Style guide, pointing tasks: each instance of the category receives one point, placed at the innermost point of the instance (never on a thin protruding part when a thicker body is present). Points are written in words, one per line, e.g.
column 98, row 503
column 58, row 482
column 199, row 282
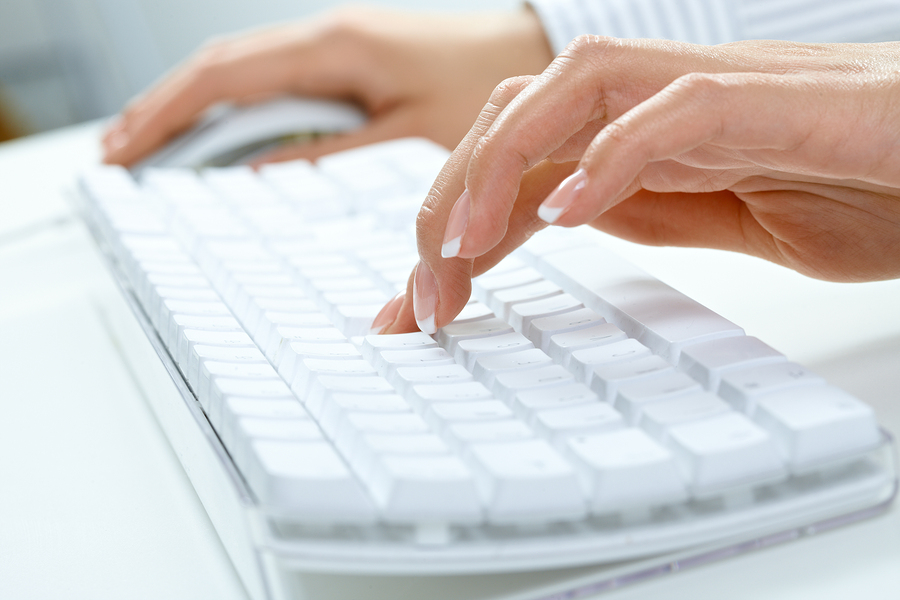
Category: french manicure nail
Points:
column 563, row 196
column 425, row 298
column 456, row 226
column 117, row 140
column 388, row 314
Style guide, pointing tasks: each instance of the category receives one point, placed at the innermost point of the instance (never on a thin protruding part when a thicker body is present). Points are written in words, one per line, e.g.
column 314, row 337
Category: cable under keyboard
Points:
column 577, row 410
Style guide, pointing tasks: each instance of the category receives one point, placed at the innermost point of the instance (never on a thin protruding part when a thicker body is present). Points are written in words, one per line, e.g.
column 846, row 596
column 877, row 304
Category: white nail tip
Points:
column 451, row 248
column 548, row 214
column 427, row 324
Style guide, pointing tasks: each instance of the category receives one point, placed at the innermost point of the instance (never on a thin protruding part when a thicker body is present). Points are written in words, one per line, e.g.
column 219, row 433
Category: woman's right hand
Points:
column 414, row 74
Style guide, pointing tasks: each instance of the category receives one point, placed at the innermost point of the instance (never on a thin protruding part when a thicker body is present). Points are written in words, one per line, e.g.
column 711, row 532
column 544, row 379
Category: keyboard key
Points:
column 817, row 423
column 707, row 361
column 468, row 351
column 632, row 397
column 486, row 367
column 510, row 383
column 657, row 418
column 502, row 301
column 491, row 431
column 606, row 379
column 583, row 362
column 562, row 345
column 527, row 480
column 375, row 344
column 742, row 386
column 626, row 470
column 521, row 315
column 723, row 452
column 425, row 488
column 658, row 316
column 424, row 394
column 450, row 335
column 559, row 423
column 527, row 402
column 443, row 413
column 308, row 477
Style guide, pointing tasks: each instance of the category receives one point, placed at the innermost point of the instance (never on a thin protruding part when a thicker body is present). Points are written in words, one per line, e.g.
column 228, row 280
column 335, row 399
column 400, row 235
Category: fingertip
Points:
column 388, row 314
column 425, row 298
column 561, row 199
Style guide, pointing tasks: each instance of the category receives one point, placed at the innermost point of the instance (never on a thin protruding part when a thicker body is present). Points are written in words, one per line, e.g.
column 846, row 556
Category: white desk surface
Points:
column 95, row 504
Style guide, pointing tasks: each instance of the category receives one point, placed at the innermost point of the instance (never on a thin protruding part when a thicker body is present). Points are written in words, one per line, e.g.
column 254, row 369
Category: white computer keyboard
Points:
column 578, row 410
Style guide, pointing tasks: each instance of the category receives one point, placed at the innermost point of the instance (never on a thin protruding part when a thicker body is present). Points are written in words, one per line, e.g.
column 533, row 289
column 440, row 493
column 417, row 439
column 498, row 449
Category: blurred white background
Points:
column 66, row 61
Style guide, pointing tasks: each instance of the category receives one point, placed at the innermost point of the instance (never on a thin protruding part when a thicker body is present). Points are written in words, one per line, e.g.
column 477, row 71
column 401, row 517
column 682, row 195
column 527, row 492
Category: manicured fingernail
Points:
column 116, row 140
column 563, row 196
column 456, row 226
column 388, row 314
column 425, row 298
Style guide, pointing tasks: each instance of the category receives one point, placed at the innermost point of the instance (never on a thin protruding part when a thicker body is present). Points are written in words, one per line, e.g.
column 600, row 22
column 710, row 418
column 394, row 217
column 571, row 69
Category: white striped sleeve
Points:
column 718, row 21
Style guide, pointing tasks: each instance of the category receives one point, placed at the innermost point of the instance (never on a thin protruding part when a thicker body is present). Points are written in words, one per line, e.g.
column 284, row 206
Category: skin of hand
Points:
column 414, row 74
column 785, row 151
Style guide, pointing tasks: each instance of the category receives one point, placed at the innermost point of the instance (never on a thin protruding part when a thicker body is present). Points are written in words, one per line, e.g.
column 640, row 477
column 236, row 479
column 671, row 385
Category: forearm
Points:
column 720, row 21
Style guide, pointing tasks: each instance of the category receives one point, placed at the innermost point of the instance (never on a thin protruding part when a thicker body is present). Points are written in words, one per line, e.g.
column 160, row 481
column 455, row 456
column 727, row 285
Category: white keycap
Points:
column 490, row 431
column 527, row 402
column 740, row 387
column 724, row 452
column 375, row 344
column 606, row 379
column 326, row 386
column 509, row 383
column 356, row 424
column 626, row 469
column 290, row 357
column 474, row 311
column 339, row 406
column 485, row 285
column 222, row 388
column 390, row 360
column 521, row 315
column 559, row 423
column 583, row 361
column 816, row 423
column 527, row 480
column 308, row 477
column 310, row 369
column 227, row 420
column 211, row 369
column 450, row 335
column 443, row 413
column 486, row 367
column 311, row 335
column 424, row 394
column 562, row 345
column 425, row 488
column 468, row 351
column 178, row 324
column 200, row 352
column 502, row 301
column 193, row 337
column 707, row 361
column 406, row 377
column 631, row 397
column 655, row 314
column 657, row 418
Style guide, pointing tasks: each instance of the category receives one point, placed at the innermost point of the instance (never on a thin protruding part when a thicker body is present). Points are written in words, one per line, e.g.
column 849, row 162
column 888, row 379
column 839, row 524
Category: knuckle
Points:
column 508, row 89
column 347, row 24
column 701, row 87
column 591, row 47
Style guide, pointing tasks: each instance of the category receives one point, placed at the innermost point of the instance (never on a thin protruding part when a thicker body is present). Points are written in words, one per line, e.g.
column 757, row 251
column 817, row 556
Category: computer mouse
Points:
column 230, row 134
